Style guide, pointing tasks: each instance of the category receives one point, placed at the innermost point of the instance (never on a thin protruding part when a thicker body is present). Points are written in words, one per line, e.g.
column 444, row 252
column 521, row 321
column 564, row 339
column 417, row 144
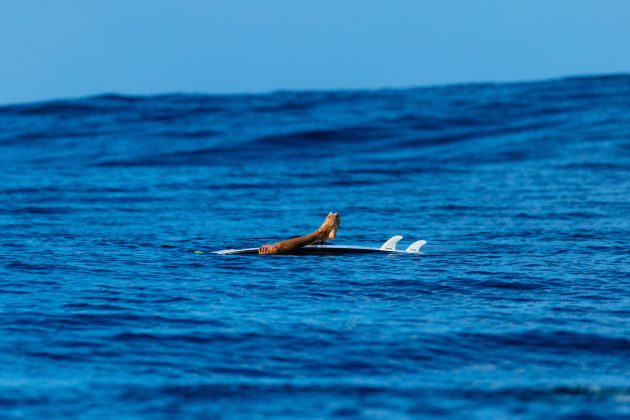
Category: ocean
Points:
column 113, row 306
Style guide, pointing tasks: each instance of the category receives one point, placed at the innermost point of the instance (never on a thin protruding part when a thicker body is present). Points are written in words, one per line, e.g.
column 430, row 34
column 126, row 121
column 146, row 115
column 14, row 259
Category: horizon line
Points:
column 264, row 92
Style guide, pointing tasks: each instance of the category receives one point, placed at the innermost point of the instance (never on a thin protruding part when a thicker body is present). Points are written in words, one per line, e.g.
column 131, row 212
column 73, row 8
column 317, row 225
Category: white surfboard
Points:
column 388, row 247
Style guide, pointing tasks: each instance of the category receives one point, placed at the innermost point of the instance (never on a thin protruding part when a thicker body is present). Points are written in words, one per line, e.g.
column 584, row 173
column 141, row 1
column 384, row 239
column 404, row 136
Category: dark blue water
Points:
column 520, row 305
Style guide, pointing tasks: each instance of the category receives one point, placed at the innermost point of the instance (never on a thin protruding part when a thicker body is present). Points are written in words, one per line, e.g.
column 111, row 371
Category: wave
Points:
column 554, row 341
column 413, row 117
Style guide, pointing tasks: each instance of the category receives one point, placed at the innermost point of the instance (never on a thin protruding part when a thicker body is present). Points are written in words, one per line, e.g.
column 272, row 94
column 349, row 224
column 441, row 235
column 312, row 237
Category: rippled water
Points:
column 520, row 305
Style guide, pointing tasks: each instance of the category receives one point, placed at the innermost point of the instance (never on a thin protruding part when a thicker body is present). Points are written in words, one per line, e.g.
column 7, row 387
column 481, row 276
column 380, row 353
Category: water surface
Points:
column 520, row 305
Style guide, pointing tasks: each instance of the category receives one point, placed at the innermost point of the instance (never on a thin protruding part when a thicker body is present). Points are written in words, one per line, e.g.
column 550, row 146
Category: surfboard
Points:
column 388, row 247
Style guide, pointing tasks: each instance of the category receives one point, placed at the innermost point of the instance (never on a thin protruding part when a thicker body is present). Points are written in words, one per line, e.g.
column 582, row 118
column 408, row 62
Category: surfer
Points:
column 328, row 230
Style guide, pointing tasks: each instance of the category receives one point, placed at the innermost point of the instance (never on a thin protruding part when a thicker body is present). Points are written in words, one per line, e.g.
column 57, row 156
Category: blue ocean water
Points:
column 519, row 306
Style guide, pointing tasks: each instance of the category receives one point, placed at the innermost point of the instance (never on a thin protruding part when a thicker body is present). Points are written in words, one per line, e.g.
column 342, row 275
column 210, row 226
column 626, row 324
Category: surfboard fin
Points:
column 390, row 244
column 415, row 247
